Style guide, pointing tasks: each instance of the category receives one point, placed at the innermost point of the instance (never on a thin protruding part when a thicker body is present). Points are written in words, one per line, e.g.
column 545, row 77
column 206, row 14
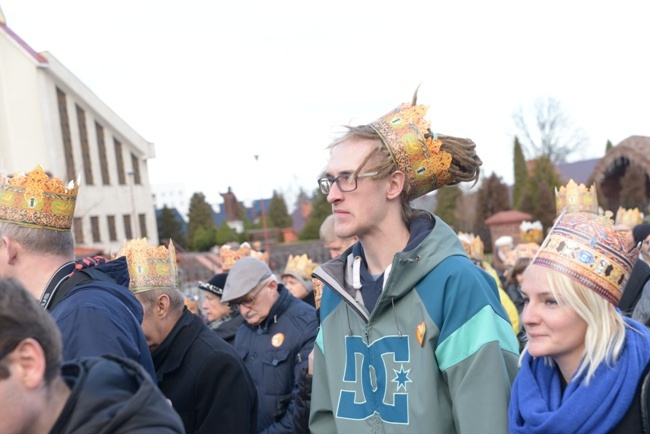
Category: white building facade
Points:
column 49, row 117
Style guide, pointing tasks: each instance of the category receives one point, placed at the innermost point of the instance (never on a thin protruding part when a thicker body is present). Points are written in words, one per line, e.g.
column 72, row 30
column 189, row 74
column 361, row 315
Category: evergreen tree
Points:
column 633, row 188
column 278, row 215
column 521, row 174
column 319, row 212
column 226, row 234
column 545, row 210
column 200, row 216
column 608, row 146
column 169, row 227
column 493, row 196
column 204, row 239
column 543, row 180
column 447, row 199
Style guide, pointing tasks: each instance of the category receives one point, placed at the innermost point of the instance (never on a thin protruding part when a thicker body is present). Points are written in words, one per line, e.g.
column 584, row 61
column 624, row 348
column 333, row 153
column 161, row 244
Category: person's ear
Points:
column 30, row 363
column 11, row 246
column 396, row 182
column 162, row 305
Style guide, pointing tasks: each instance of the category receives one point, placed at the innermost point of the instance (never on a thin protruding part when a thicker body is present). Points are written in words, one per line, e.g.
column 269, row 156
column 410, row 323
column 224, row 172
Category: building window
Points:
column 135, row 163
column 77, row 226
column 120, row 162
column 101, row 147
column 94, row 225
column 65, row 133
column 85, row 151
column 112, row 232
column 127, row 226
column 142, row 219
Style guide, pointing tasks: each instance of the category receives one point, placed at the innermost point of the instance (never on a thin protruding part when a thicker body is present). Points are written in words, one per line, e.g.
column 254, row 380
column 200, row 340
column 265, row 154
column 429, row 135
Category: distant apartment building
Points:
column 49, row 117
column 172, row 196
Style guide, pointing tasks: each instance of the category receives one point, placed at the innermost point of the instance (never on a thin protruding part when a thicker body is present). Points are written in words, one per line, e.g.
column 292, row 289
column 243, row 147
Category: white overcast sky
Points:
column 213, row 83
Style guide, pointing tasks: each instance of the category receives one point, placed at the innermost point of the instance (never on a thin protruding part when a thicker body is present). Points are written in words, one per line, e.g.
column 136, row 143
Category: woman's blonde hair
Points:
column 605, row 334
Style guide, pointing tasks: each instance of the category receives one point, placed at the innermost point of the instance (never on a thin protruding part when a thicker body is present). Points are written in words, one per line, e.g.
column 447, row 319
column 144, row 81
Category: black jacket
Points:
column 227, row 330
column 637, row 418
column 111, row 395
column 205, row 379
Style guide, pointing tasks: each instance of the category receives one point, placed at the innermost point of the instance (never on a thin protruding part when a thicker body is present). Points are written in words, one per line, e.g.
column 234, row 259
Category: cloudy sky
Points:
column 213, row 83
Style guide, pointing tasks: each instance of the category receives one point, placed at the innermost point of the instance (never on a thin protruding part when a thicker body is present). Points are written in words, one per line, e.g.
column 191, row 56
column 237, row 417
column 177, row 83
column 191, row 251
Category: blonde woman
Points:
column 584, row 365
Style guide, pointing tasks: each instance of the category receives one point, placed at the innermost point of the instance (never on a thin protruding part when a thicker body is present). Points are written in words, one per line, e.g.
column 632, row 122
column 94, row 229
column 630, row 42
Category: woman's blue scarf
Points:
column 537, row 404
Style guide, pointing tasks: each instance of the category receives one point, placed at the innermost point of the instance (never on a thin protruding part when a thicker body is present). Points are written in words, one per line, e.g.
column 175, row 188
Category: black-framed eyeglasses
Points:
column 248, row 301
column 346, row 182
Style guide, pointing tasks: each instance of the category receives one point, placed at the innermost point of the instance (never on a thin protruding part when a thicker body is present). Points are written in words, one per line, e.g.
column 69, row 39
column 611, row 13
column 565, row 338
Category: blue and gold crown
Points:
column 150, row 267
column 37, row 201
column 585, row 247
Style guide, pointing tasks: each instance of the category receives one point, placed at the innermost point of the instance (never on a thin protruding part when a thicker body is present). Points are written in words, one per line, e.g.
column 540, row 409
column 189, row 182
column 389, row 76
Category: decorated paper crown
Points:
column 472, row 244
column 628, row 217
column 150, row 267
column 531, row 232
column 576, row 198
column 230, row 255
column 586, row 248
column 300, row 266
column 37, row 201
column 525, row 251
column 415, row 150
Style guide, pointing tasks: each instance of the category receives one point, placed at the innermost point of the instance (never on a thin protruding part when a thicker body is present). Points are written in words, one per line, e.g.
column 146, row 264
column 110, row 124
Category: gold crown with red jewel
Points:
column 230, row 254
column 576, row 198
column 415, row 150
column 628, row 217
column 585, row 247
column 37, row 201
column 150, row 267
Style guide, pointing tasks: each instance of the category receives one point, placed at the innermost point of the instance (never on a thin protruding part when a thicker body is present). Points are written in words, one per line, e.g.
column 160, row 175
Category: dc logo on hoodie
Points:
column 382, row 379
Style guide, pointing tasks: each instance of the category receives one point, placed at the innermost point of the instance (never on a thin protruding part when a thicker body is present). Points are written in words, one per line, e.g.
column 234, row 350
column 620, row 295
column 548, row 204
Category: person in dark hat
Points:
column 641, row 235
column 222, row 318
column 635, row 301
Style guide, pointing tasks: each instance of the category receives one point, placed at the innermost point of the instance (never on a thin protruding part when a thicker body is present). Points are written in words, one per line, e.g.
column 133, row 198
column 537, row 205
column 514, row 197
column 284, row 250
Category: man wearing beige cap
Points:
column 275, row 340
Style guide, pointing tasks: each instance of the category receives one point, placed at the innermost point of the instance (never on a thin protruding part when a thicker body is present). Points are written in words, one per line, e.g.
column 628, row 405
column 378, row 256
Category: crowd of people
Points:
column 408, row 328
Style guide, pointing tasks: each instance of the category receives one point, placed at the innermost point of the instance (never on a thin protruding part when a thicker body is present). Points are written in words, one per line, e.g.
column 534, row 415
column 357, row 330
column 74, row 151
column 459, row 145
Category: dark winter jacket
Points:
column 227, row 330
column 102, row 316
column 111, row 395
column 275, row 353
column 205, row 379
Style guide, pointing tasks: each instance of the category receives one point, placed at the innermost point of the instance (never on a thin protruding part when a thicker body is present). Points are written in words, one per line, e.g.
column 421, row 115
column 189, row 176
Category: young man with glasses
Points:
column 86, row 395
column 274, row 341
column 413, row 336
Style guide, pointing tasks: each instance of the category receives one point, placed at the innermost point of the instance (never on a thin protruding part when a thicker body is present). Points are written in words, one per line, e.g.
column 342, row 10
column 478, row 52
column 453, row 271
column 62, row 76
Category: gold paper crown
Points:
column 300, row 266
column 37, row 201
column 586, row 248
column 230, row 255
column 531, row 232
column 576, row 198
column 628, row 217
column 526, row 251
column 472, row 244
column 415, row 150
column 150, row 267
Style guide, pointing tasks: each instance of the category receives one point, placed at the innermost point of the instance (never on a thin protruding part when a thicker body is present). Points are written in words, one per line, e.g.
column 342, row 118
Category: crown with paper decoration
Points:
column 35, row 200
column 300, row 265
column 525, row 251
column 415, row 150
column 472, row 244
column 230, row 254
column 531, row 232
column 585, row 247
column 150, row 267
column 628, row 217
column 576, row 198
